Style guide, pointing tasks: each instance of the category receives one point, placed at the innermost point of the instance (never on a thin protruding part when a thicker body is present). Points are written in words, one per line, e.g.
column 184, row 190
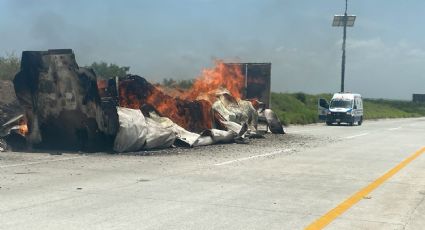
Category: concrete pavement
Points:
column 276, row 183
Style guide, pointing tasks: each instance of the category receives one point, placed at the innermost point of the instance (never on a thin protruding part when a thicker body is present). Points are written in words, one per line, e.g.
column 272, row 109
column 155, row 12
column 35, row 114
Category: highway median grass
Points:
column 301, row 108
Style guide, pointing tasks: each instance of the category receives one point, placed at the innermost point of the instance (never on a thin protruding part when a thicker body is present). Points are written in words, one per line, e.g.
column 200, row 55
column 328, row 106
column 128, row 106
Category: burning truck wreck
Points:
column 64, row 108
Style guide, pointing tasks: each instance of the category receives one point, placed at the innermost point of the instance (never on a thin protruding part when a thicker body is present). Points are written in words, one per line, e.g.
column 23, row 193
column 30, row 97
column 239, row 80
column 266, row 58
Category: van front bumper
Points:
column 339, row 117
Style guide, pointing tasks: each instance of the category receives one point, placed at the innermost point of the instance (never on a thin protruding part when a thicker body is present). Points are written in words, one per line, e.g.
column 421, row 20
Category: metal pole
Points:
column 246, row 81
column 343, row 49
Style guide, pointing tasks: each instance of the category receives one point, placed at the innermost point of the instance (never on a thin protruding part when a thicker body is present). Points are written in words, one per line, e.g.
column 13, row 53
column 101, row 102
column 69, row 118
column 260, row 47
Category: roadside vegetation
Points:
column 301, row 108
column 296, row 108
column 106, row 71
column 9, row 66
column 180, row 84
column 381, row 108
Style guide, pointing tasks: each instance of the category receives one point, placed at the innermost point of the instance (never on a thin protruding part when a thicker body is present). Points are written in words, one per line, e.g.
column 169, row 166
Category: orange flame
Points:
column 23, row 127
column 225, row 76
column 192, row 115
column 190, row 109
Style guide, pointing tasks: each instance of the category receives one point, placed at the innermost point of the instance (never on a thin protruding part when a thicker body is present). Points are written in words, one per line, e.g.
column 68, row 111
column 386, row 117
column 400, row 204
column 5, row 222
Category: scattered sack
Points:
column 132, row 131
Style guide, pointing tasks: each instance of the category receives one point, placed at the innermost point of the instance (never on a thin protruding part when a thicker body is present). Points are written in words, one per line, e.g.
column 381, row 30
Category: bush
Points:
column 301, row 97
column 179, row 84
column 107, row 71
column 9, row 66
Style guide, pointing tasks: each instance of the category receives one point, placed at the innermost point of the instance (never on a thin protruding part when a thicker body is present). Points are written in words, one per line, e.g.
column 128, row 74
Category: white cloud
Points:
column 376, row 48
column 283, row 49
column 374, row 44
column 416, row 53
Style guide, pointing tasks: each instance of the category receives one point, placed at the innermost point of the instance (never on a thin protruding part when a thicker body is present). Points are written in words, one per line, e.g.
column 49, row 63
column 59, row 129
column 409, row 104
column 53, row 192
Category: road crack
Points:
column 412, row 213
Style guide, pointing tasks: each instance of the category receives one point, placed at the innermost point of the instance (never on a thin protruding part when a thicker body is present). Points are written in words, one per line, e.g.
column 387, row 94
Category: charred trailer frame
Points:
column 257, row 81
column 62, row 103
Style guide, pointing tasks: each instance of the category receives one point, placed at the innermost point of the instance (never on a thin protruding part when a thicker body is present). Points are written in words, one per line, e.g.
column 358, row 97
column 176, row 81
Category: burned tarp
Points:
column 62, row 104
column 233, row 113
column 139, row 132
column 267, row 118
column 132, row 131
column 189, row 139
column 136, row 133
column 184, row 137
column 193, row 115
column 273, row 121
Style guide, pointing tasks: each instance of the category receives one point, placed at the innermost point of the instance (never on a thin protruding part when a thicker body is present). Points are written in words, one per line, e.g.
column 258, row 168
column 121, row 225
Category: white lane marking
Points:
column 40, row 162
column 392, row 129
column 300, row 131
column 252, row 157
column 358, row 135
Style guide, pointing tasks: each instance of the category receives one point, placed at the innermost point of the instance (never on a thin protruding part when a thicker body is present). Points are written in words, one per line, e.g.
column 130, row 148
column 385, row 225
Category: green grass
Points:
column 381, row 108
column 301, row 108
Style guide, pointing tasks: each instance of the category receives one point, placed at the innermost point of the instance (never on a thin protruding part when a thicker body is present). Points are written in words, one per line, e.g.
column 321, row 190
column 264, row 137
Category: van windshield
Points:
column 341, row 104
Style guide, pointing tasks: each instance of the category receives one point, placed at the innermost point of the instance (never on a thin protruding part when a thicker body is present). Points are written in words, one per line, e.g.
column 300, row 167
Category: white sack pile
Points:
column 137, row 132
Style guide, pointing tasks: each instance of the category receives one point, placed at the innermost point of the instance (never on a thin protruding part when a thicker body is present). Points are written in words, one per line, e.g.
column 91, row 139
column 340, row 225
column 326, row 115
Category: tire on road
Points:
column 360, row 121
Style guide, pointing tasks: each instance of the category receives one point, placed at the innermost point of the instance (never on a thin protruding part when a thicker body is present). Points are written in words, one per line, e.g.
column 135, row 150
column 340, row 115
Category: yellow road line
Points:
column 348, row 203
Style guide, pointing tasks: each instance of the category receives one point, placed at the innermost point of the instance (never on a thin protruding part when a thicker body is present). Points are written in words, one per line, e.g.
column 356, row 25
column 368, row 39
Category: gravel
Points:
column 271, row 142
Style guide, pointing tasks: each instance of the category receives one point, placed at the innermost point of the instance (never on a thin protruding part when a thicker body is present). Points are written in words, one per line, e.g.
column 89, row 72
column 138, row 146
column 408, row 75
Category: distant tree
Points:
column 168, row 82
column 106, row 71
column 181, row 84
column 9, row 66
column 185, row 84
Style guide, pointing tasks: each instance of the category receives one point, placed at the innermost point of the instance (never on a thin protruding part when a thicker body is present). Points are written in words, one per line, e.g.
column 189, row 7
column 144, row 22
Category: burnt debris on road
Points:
column 64, row 106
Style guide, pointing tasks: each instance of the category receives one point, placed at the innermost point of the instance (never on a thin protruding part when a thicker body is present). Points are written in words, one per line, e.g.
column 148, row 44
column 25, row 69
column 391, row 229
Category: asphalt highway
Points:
column 336, row 177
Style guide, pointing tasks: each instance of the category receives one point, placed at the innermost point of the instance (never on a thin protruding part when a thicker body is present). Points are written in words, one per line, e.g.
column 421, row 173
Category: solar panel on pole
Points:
column 343, row 21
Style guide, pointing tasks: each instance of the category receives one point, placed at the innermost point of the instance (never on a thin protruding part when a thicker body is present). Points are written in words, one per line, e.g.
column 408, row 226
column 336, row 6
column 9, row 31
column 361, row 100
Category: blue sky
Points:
column 162, row 39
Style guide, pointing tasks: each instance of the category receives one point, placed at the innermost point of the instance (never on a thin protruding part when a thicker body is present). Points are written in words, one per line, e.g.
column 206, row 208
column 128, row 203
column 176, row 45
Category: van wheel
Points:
column 360, row 121
column 328, row 123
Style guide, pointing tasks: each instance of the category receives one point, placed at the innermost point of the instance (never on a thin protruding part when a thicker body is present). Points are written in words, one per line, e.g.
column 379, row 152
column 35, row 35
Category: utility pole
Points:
column 344, row 37
column 344, row 21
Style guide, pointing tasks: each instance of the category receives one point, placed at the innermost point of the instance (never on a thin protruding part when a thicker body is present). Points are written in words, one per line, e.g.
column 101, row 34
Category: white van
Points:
column 343, row 108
